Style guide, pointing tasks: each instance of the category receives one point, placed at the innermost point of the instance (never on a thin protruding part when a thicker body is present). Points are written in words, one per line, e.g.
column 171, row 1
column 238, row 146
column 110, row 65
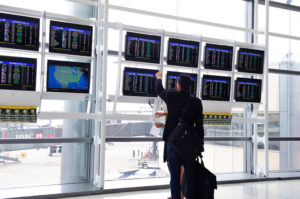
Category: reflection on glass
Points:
column 233, row 130
column 145, row 159
column 224, row 156
column 285, row 156
column 123, row 128
column 46, row 129
column 134, row 160
column 49, row 163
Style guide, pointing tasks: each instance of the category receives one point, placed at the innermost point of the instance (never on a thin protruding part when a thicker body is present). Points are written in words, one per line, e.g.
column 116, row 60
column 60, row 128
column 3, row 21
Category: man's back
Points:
column 176, row 100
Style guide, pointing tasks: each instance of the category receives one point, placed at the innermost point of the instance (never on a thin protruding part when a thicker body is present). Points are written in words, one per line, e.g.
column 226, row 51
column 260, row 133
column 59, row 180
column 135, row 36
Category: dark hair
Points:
column 185, row 82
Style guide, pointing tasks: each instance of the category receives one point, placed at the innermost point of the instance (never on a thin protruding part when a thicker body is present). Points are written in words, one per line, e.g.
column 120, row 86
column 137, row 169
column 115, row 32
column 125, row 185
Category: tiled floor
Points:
column 259, row 190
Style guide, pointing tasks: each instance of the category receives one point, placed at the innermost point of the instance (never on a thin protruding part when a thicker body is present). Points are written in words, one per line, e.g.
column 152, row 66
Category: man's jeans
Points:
column 174, row 163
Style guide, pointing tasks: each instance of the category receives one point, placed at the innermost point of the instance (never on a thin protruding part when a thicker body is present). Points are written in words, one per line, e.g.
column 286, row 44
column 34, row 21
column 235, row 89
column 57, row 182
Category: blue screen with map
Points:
column 68, row 76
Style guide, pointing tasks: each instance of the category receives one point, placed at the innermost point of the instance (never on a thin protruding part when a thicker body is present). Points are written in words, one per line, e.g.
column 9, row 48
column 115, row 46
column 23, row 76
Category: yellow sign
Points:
column 217, row 118
column 18, row 114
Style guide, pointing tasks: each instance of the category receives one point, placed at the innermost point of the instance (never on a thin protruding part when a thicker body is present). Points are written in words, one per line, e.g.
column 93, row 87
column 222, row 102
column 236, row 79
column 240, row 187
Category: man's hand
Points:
column 158, row 75
column 159, row 114
column 159, row 125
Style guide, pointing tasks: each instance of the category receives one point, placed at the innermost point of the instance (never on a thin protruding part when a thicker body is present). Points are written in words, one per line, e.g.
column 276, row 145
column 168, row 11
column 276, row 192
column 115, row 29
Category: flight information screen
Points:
column 172, row 78
column 19, row 32
column 247, row 90
column 139, row 82
column 216, row 88
column 218, row 57
column 68, row 76
column 17, row 73
column 183, row 53
column 251, row 61
column 141, row 47
column 70, row 38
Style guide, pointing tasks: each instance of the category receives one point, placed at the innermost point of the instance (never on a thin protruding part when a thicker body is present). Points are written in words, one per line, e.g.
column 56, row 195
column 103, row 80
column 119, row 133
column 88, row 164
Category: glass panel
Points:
column 132, row 160
column 284, row 54
column 210, row 31
column 284, row 109
column 260, row 158
column 146, row 128
column 279, row 20
column 291, row 2
column 234, row 130
column 46, row 129
column 231, row 12
column 166, row 6
column 43, row 164
column 202, row 10
column 122, row 128
column 224, row 156
column 261, row 17
column 284, row 155
column 56, row 6
column 142, row 20
column 68, row 106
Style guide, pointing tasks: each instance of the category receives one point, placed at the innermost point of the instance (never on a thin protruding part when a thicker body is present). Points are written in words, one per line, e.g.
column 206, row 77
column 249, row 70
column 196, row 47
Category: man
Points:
column 176, row 100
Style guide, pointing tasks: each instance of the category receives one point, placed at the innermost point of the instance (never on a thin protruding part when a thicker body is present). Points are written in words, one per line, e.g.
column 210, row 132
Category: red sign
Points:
column 39, row 135
column 4, row 134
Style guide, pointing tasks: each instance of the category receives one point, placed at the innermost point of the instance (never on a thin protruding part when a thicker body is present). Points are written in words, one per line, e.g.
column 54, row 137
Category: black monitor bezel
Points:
column 24, row 60
column 70, row 25
column 68, row 64
column 27, row 19
column 217, row 46
column 133, row 34
column 141, row 70
column 259, row 81
column 179, row 73
column 251, row 51
column 218, row 78
column 180, row 41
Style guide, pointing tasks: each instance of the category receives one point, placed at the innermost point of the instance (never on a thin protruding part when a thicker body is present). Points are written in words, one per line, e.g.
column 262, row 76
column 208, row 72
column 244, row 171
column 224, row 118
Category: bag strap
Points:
column 185, row 110
column 201, row 159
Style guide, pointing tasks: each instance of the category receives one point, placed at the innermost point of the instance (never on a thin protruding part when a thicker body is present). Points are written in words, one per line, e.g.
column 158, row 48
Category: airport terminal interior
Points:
column 78, row 100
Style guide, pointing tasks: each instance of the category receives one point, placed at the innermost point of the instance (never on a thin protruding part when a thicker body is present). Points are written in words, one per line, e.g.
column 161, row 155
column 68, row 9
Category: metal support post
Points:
column 255, row 21
column 119, row 68
column 43, row 53
column 266, row 81
column 96, row 180
column 104, row 92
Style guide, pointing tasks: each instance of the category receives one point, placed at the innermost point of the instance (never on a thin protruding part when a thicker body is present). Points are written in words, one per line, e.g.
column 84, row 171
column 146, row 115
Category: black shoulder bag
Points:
column 184, row 139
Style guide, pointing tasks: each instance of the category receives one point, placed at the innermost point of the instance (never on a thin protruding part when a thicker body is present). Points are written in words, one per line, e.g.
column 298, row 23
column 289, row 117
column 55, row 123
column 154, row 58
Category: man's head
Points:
column 184, row 82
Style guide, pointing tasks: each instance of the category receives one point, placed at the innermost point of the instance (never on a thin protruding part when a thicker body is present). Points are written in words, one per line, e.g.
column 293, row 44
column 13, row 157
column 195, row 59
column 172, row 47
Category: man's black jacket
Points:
column 175, row 103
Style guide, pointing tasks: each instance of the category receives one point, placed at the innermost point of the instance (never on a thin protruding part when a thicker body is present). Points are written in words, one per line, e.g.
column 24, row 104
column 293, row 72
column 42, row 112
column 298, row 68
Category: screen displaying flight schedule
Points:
column 65, row 76
column 172, row 78
column 139, row 82
column 251, row 61
column 183, row 53
column 218, row 57
column 17, row 73
column 216, row 88
column 247, row 90
column 70, row 38
column 141, row 47
column 19, row 32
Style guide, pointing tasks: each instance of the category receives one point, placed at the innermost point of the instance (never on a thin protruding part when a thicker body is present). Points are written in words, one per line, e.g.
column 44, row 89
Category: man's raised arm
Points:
column 159, row 89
